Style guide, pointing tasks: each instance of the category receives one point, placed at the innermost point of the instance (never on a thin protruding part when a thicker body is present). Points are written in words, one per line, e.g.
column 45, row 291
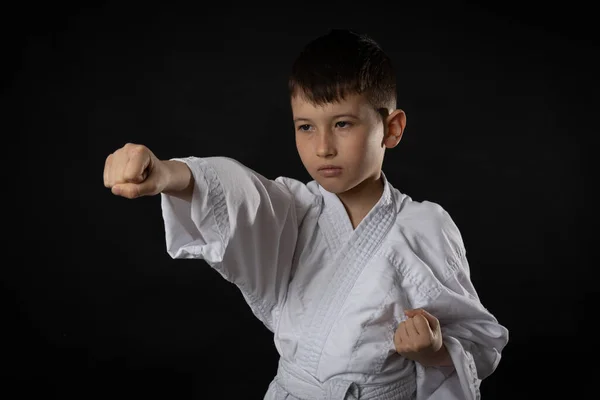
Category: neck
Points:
column 359, row 200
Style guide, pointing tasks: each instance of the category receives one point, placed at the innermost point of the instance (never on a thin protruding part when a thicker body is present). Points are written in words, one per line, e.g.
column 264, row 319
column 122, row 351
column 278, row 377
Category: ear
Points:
column 394, row 128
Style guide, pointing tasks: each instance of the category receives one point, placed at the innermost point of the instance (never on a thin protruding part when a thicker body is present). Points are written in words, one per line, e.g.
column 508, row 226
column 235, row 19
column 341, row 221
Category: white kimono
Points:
column 333, row 295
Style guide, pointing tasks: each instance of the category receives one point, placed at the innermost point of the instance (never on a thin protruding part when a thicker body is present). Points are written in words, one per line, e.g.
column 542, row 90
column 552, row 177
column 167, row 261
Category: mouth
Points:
column 329, row 167
column 330, row 171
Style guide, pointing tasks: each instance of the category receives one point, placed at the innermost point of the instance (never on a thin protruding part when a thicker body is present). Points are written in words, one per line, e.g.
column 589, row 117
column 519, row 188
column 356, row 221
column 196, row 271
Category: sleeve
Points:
column 242, row 224
column 473, row 336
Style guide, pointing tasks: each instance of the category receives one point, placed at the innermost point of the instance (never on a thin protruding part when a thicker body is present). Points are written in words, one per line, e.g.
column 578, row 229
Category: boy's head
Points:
column 343, row 97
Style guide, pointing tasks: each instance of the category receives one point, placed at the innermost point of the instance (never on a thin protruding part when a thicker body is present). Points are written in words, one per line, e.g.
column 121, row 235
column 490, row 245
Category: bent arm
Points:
column 472, row 336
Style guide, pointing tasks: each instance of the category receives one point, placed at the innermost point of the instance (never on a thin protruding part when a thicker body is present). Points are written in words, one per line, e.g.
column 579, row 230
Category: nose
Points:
column 326, row 145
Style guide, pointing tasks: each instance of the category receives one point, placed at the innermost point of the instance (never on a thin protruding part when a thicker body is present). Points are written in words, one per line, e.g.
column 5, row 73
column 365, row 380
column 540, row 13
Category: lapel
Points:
column 352, row 250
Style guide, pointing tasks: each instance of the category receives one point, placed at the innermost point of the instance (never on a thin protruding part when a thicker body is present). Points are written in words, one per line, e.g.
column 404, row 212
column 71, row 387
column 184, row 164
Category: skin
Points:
column 350, row 134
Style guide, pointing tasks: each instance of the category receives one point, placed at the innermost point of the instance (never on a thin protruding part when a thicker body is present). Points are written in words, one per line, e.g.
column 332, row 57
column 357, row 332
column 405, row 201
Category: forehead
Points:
column 352, row 104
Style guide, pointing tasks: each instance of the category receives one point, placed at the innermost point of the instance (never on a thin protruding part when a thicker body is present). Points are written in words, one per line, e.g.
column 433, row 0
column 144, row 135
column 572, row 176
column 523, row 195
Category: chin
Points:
column 333, row 185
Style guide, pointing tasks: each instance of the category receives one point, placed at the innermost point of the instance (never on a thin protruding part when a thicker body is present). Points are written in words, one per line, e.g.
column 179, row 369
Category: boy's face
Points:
column 348, row 135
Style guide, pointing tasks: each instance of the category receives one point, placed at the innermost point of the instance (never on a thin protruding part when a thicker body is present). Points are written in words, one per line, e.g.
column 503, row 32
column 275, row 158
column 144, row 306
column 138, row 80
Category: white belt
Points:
column 298, row 383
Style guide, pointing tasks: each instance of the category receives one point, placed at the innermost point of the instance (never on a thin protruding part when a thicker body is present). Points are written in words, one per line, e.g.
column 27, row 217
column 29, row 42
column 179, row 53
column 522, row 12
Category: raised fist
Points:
column 134, row 171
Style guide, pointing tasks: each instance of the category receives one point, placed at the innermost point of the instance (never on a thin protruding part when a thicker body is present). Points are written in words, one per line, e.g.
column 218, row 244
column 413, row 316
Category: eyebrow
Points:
column 333, row 117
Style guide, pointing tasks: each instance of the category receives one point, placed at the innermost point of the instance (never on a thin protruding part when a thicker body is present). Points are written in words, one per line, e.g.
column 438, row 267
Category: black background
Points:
column 501, row 105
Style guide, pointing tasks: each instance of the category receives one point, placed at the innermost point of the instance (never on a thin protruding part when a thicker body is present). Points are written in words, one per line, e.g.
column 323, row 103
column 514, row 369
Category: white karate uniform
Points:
column 333, row 295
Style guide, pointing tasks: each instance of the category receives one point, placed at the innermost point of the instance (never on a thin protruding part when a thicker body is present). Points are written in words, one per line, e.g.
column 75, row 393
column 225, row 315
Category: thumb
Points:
column 135, row 190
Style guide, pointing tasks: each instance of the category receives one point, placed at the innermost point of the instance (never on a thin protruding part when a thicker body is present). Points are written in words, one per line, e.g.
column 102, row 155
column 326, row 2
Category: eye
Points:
column 343, row 124
column 304, row 128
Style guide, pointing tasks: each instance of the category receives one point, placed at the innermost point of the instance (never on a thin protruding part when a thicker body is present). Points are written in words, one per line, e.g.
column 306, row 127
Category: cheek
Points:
column 375, row 143
column 302, row 149
column 364, row 146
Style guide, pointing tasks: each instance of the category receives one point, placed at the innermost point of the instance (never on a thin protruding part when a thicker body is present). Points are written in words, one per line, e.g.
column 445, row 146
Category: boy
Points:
column 367, row 292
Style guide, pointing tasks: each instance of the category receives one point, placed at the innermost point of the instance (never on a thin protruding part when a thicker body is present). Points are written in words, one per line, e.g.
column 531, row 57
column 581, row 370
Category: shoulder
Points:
column 424, row 217
column 428, row 230
column 421, row 217
column 305, row 196
column 304, row 193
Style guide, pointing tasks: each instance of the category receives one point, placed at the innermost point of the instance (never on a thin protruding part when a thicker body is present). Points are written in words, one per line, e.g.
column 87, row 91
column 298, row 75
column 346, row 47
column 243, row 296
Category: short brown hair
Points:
column 340, row 63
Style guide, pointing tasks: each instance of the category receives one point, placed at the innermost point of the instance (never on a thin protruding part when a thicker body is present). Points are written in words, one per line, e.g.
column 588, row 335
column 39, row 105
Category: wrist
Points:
column 442, row 358
column 179, row 178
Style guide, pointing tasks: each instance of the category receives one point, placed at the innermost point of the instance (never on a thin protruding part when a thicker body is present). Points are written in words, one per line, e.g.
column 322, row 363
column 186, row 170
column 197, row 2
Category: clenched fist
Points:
column 419, row 338
column 134, row 171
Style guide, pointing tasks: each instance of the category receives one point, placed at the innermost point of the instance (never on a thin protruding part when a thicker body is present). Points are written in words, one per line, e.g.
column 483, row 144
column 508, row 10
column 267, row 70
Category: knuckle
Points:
column 136, row 149
column 118, row 155
column 106, row 172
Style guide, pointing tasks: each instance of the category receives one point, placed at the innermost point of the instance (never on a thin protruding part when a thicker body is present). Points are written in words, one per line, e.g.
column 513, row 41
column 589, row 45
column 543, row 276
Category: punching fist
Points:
column 419, row 338
column 134, row 171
